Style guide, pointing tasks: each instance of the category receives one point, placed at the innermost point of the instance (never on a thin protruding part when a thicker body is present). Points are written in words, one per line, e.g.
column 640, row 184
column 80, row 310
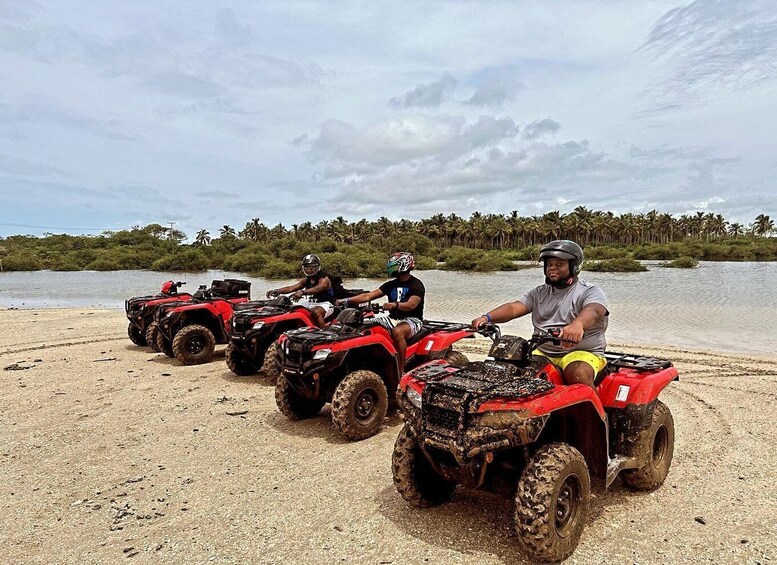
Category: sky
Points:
column 114, row 114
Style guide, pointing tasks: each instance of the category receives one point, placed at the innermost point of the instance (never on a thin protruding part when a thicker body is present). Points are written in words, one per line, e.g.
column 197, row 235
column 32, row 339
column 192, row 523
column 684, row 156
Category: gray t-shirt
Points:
column 556, row 307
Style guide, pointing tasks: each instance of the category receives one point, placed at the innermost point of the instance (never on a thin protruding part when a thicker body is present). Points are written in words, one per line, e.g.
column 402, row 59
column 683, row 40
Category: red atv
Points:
column 140, row 309
column 509, row 424
column 189, row 331
column 353, row 364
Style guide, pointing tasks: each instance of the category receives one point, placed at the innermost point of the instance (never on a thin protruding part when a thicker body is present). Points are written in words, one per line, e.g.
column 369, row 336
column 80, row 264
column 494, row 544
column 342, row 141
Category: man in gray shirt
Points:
column 566, row 302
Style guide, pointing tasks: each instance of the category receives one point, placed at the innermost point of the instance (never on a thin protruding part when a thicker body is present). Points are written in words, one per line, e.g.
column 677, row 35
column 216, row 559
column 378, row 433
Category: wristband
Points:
column 345, row 302
column 488, row 317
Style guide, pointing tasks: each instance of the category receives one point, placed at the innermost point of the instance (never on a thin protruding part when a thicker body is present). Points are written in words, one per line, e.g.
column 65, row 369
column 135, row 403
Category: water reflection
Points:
column 718, row 306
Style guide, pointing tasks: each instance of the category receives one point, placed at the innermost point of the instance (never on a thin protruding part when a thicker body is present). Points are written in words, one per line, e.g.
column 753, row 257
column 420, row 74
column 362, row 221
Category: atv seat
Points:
column 245, row 306
column 422, row 333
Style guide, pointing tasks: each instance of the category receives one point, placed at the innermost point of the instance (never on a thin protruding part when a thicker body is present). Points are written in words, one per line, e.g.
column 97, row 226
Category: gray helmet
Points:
column 564, row 249
column 311, row 264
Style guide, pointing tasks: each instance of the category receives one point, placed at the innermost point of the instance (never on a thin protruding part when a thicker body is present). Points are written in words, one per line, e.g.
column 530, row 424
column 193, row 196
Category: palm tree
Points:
column 203, row 238
column 763, row 225
column 227, row 232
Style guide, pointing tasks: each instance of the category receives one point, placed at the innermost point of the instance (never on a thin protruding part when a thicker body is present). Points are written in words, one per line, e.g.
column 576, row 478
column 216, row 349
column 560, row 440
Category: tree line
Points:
column 484, row 242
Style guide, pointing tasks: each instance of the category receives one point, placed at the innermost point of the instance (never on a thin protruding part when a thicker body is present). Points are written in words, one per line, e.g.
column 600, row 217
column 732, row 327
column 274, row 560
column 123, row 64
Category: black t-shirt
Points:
column 313, row 280
column 397, row 291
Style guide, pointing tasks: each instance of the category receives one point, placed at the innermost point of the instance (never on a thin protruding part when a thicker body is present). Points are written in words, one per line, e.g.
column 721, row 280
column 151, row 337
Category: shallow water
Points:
column 718, row 306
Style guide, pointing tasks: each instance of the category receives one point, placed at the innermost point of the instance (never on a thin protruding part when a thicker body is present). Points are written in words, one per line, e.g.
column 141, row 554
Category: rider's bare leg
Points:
column 318, row 313
column 400, row 334
column 579, row 372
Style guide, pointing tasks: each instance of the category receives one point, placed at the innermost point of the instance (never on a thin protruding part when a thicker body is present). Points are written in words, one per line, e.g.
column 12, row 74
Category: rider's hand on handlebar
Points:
column 271, row 293
column 389, row 306
column 297, row 295
column 480, row 321
column 571, row 335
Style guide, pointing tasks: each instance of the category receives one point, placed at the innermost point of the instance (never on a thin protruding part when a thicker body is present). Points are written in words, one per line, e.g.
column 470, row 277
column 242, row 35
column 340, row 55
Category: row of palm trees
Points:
column 499, row 231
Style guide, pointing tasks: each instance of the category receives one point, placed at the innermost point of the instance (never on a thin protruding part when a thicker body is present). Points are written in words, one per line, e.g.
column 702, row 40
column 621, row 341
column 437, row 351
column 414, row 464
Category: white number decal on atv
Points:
column 623, row 393
column 429, row 345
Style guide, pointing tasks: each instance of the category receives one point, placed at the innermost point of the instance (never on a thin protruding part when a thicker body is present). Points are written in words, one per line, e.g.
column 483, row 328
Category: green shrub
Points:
column 618, row 265
column 494, row 262
column 187, row 260
column 245, row 261
column 278, row 269
column 23, row 261
column 684, row 262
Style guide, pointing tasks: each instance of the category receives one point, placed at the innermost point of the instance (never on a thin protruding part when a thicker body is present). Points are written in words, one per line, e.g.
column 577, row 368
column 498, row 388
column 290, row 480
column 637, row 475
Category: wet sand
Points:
column 110, row 452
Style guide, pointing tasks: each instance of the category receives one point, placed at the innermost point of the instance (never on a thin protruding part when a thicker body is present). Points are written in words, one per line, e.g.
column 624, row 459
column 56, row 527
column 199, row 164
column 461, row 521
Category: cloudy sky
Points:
column 210, row 113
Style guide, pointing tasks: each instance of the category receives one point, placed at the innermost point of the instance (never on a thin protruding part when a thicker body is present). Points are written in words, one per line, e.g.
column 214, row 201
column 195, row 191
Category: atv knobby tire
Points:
column 655, row 447
column 414, row 477
column 292, row 404
column 163, row 344
column 194, row 344
column 456, row 358
column 151, row 332
column 135, row 335
column 269, row 365
column 359, row 404
column 239, row 363
column 551, row 502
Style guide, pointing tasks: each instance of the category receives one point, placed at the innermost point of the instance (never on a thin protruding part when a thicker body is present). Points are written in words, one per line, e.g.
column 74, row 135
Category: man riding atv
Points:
column 406, row 301
column 566, row 302
column 317, row 284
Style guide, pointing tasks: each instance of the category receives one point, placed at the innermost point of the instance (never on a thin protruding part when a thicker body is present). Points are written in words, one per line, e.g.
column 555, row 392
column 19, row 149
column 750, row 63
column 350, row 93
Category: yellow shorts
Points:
column 597, row 362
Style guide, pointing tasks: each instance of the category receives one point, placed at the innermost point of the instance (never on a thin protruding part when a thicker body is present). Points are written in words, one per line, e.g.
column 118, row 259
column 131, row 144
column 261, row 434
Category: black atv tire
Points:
column 655, row 446
column 194, row 345
column 359, row 404
column 415, row 479
column 151, row 336
column 456, row 358
column 270, row 367
column 164, row 345
column 135, row 335
column 239, row 363
column 551, row 502
column 292, row 404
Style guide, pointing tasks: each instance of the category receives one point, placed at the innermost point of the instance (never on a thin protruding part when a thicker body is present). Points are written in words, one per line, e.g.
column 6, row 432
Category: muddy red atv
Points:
column 509, row 424
column 140, row 309
column 353, row 364
column 190, row 331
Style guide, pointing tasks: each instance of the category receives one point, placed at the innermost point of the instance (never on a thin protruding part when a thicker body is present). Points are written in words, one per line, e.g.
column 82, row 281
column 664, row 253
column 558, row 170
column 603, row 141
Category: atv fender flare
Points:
column 620, row 389
column 440, row 341
column 558, row 398
column 301, row 316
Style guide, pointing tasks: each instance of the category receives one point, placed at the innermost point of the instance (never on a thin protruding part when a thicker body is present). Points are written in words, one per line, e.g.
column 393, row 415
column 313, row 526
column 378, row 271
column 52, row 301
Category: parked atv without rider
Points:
column 254, row 333
column 510, row 424
column 190, row 331
column 353, row 364
column 140, row 309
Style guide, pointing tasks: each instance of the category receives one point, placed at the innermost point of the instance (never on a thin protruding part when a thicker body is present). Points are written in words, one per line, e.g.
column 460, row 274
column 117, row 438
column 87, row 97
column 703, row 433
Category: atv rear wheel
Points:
column 151, row 332
column 163, row 344
column 194, row 344
column 551, row 502
column 456, row 358
column 239, row 363
column 655, row 447
column 270, row 366
column 359, row 404
column 415, row 479
column 292, row 404
column 135, row 335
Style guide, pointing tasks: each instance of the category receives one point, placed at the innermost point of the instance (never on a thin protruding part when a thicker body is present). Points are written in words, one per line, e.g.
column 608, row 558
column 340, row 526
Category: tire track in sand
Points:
column 64, row 344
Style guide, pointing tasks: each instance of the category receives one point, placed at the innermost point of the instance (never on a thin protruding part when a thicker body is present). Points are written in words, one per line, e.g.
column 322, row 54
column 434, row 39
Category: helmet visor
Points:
column 310, row 270
column 392, row 268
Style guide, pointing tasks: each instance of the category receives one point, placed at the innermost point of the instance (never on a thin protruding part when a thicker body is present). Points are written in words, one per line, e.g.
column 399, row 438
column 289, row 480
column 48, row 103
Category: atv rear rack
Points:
column 638, row 363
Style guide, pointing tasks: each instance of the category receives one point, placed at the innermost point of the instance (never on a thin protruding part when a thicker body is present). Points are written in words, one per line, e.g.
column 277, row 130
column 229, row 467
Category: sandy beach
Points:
column 110, row 452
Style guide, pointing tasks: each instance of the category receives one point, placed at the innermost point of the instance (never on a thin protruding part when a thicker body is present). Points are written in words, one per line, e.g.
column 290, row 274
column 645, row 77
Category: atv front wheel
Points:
column 270, row 366
column 292, row 404
column 551, row 502
column 151, row 336
column 163, row 344
column 415, row 479
column 456, row 358
column 194, row 345
column 239, row 363
column 359, row 404
column 655, row 447
column 135, row 335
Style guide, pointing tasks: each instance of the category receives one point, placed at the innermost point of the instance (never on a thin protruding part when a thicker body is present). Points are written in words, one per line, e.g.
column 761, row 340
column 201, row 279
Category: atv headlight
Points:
column 321, row 354
column 257, row 326
column 413, row 397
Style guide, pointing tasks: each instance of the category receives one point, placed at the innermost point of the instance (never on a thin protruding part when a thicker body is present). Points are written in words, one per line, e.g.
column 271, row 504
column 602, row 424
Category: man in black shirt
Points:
column 406, row 301
column 316, row 285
